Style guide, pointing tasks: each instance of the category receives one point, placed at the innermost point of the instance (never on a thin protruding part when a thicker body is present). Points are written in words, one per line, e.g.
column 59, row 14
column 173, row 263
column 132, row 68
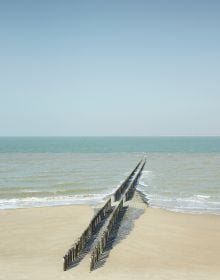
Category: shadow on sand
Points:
column 120, row 231
column 89, row 245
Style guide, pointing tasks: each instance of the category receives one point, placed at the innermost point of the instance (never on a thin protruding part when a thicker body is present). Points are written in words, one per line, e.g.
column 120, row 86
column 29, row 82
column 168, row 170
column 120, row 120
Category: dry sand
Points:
column 157, row 245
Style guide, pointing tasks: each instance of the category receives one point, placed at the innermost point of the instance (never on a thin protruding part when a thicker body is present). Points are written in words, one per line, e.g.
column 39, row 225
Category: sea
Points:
column 181, row 174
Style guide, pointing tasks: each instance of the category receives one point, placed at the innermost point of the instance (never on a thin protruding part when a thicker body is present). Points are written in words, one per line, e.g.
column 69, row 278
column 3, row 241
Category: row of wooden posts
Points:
column 121, row 189
column 123, row 193
column 101, row 244
column 131, row 188
column 75, row 251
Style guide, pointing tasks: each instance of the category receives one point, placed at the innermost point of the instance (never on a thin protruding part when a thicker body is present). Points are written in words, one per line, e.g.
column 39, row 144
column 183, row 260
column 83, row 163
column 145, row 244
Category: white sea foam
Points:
column 146, row 174
column 199, row 196
column 142, row 183
column 160, row 195
column 30, row 202
column 192, row 204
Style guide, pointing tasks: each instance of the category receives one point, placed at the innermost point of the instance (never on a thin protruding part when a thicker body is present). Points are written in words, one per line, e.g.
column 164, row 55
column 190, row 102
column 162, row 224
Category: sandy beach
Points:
column 158, row 244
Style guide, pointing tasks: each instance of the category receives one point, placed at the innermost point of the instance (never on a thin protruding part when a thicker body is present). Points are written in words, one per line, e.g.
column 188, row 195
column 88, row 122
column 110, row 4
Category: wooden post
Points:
column 64, row 263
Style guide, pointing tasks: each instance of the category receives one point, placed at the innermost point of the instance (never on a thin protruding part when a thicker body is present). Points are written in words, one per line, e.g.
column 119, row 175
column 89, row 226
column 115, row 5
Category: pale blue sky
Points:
column 111, row 67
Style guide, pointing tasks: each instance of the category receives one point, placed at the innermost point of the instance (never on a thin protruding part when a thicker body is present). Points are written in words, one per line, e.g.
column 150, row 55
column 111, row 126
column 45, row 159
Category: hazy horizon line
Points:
column 71, row 136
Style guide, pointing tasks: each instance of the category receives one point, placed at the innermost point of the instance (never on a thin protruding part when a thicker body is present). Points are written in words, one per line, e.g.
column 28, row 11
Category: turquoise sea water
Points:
column 182, row 173
column 109, row 144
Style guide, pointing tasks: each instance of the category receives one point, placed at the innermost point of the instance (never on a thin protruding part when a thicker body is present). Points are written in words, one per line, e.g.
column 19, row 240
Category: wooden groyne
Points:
column 75, row 251
column 124, row 192
column 131, row 188
column 101, row 244
column 122, row 188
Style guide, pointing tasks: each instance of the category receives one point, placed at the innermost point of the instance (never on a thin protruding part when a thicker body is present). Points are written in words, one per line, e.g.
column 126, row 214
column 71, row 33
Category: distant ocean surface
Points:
column 181, row 174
